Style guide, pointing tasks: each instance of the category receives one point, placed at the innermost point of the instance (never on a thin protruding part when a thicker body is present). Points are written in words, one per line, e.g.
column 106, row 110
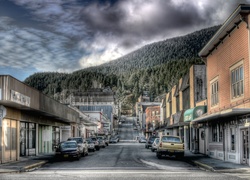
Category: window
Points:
column 232, row 139
column 214, row 133
column 237, row 82
column 214, row 93
column 177, row 103
column 186, row 98
column 217, row 133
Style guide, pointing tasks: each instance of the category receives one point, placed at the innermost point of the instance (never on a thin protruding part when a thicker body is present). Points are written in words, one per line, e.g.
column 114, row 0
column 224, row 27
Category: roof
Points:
column 238, row 16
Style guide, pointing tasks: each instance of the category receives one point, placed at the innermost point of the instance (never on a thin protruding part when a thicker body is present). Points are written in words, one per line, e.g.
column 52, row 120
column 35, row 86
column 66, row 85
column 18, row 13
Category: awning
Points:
column 194, row 113
column 222, row 114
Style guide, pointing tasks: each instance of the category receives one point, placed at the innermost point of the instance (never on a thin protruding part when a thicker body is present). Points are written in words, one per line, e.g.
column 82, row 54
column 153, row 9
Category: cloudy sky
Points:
column 68, row 35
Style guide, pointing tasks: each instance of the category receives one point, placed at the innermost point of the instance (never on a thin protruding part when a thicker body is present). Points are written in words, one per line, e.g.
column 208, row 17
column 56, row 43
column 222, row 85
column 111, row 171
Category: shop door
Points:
column 202, row 141
column 27, row 139
column 244, row 146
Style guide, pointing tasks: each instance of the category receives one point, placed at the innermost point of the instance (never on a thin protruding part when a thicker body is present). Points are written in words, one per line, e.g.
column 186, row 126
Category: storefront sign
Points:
column 19, row 98
column 2, row 114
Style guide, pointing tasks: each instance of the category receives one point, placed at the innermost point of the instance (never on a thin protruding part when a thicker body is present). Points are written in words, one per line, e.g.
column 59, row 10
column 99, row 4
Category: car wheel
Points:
column 159, row 156
column 152, row 150
column 180, row 156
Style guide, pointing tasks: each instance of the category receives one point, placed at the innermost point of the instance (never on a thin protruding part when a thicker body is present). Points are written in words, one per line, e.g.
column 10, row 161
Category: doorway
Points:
column 27, row 139
column 244, row 146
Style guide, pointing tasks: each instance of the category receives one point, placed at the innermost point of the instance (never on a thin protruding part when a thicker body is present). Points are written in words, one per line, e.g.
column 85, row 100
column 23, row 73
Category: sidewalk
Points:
column 202, row 161
column 25, row 164
column 215, row 165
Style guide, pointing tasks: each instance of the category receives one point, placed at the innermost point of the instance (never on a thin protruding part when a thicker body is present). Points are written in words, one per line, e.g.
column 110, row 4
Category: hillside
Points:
column 154, row 67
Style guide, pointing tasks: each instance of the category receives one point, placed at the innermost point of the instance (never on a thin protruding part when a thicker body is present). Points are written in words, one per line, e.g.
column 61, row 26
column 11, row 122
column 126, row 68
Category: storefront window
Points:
column 214, row 133
column 217, row 133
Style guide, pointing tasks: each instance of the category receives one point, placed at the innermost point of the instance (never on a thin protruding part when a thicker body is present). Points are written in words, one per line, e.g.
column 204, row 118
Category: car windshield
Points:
column 152, row 138
column 68, row 145
column 171, row 139
column 78, row 140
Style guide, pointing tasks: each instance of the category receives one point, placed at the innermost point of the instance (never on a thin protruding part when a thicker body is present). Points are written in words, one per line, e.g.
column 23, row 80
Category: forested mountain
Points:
column 154, row 67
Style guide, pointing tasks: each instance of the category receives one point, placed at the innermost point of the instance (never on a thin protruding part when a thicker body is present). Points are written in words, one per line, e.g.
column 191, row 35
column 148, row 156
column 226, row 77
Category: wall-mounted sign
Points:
column 19, row 98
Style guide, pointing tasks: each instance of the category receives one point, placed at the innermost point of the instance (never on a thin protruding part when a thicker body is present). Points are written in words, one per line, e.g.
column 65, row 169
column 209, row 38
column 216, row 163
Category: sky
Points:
column 68, row 35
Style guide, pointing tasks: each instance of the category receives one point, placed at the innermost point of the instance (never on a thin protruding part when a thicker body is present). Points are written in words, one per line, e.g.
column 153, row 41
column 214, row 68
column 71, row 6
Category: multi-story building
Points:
column 97, row 100
column 225, row 127
column 184, row 99
column 152, row 119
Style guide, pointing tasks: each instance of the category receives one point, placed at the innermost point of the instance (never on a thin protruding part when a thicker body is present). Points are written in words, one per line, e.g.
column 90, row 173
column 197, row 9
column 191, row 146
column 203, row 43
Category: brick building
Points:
column 225, row 127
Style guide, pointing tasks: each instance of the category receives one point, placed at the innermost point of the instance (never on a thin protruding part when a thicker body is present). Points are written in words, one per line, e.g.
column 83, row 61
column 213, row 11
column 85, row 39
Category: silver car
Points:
column 82, row 144
column 155, row 144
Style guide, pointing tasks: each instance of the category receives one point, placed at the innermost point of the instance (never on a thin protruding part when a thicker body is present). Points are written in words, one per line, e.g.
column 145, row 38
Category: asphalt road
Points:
column 124, row 160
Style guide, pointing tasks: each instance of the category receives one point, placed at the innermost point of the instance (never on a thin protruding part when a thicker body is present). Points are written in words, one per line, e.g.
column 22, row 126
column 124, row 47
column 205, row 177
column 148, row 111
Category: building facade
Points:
column 152, row 119
column 188, row 93
column 30, row 122
column 97, row 100
column 225, row 126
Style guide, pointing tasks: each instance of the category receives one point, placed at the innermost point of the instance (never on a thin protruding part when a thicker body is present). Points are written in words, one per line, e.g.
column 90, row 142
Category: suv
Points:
column 82, row 144
column 150, row 141
column 170, row 145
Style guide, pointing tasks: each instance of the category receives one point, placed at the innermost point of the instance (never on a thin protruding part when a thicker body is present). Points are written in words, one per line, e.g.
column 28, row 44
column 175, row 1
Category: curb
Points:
column 33, row 166
column 204, row 166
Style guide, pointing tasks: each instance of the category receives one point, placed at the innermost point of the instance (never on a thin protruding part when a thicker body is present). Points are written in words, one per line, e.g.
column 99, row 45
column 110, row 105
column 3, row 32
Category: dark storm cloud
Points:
column 59, row 35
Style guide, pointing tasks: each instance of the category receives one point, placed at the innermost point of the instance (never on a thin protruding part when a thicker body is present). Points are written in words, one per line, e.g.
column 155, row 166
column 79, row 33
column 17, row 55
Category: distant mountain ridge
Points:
column 183, row 47
column 153, row 68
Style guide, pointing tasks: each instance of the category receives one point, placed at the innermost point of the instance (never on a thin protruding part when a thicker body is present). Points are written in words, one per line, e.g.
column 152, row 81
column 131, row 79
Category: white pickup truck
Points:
column 170, row 145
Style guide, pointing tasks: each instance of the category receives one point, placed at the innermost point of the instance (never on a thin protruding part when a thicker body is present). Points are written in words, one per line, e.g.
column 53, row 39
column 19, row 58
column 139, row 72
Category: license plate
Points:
column 171, row 150
column 66, row 155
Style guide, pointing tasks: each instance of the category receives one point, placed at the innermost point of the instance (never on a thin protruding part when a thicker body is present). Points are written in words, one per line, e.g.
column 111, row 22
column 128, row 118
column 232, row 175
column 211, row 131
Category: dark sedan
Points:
column 68, row 149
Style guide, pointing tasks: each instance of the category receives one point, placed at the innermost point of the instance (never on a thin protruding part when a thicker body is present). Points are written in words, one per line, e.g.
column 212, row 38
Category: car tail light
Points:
column 161, row 144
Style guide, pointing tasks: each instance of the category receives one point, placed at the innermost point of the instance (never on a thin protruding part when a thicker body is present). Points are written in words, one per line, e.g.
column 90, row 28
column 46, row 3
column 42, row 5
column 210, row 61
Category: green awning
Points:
column 194, row 113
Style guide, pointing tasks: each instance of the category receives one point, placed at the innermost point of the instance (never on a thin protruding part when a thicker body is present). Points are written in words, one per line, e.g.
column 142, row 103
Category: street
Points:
column 126, row 159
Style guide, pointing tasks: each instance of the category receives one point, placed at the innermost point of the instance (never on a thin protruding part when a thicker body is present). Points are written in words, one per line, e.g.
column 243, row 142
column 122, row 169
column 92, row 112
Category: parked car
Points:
column 91, row 145
column 96, row 142
column 142, row 140
column 113, row 139
column 170, row 145
column 106, row 140
column 101, row 141
column 82, row 143
column 150, row 141
column 155, row 145
column 68, row 149
column 118, row 137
